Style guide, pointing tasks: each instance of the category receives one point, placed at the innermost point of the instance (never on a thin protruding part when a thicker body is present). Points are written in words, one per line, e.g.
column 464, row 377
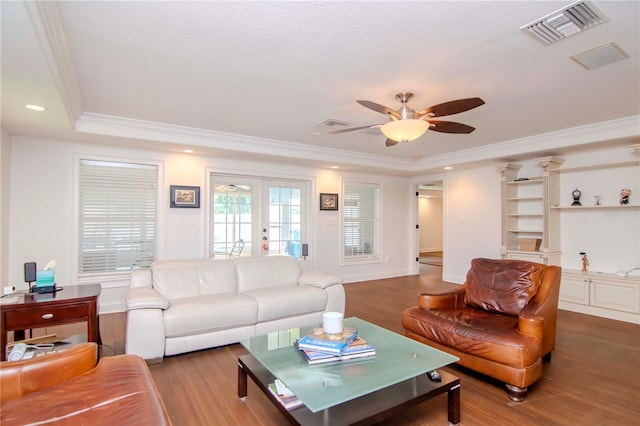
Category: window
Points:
column 361, row 221
column 118, row 207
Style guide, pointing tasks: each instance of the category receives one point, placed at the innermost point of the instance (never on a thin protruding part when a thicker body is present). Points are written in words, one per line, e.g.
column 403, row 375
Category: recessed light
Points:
column 35, row 107
column 448, row 168
column 335, row 167
column 188, row 151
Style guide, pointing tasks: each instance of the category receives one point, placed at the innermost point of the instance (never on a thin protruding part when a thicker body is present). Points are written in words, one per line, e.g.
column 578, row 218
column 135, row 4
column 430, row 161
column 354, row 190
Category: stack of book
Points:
column 319, row 348
column 284, row 395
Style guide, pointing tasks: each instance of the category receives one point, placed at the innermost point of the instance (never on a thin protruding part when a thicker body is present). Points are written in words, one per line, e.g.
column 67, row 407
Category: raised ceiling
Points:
column 256, row 78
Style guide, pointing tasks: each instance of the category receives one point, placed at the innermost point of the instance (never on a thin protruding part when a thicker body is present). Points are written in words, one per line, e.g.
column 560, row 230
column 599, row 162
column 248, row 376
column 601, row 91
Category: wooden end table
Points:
column 77, row 303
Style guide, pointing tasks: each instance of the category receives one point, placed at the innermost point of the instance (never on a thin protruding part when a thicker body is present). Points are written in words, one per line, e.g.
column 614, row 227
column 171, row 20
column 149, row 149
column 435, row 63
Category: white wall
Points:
column 472, row 219
column 44, row 221
column 5, row 188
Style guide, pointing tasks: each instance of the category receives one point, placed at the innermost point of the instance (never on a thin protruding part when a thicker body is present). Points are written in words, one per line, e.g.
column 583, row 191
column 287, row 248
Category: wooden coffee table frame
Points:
column 365, row 410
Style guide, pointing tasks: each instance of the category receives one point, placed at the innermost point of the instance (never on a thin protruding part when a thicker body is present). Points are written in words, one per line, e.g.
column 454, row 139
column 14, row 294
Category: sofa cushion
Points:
column 266, row 272
column 179, row 279
column 502, row 286
column 283, row 302
column 488, row 335
column 206, row 313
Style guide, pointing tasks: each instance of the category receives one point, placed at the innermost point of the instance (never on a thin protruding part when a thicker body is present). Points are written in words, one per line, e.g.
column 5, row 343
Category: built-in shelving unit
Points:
column 525, row 212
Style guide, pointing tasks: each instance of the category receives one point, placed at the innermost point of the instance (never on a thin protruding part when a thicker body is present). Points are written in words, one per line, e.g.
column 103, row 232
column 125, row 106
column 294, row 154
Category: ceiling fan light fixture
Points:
column 405, row 130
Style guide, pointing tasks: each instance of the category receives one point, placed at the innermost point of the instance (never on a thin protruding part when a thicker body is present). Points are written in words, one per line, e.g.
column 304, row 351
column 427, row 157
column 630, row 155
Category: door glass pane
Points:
column 285, row 220
column 231, row 219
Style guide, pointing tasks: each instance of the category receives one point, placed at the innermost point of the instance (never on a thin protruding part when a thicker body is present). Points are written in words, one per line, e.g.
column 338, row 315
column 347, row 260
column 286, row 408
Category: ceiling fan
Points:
column 406, row 124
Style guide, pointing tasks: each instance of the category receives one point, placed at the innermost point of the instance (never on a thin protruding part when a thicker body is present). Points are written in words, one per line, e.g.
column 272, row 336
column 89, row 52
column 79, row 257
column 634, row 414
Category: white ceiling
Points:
column 256, row 78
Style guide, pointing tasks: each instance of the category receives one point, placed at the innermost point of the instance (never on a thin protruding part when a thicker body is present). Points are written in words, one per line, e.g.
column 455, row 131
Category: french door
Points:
column 267, row 215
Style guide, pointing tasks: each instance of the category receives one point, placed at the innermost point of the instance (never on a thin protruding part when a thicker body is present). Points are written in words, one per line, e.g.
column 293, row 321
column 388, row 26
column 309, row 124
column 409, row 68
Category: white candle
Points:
column 332, row 322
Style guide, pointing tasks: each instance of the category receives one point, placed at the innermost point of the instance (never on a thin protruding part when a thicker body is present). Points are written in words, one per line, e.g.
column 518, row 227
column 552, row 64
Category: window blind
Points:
column 361, row 221
column 118, row 208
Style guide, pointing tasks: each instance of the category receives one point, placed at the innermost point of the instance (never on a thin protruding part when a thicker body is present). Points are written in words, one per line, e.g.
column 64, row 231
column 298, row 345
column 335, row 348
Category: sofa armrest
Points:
column 318, row 279
column 145, row 298
column 140, row 278
column 20, row 378
column 451, row 299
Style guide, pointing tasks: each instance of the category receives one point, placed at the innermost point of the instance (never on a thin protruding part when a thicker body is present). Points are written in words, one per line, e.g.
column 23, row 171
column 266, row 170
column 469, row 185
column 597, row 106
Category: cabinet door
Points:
column 574, row 289
column 613, row 294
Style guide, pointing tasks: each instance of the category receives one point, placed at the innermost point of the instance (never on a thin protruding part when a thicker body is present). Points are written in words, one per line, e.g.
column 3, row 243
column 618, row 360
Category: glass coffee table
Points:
column 349, row 392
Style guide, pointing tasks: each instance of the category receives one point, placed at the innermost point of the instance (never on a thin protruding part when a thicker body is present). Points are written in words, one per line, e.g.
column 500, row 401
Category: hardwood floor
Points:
column 592, row 379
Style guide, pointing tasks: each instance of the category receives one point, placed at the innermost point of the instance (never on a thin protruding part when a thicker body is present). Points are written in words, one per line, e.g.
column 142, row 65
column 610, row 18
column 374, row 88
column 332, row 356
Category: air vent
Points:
column 575, row 18
column 332, row 122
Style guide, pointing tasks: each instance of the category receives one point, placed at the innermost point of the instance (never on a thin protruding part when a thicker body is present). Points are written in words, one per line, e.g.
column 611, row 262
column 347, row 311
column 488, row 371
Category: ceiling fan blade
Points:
column 390, row 142
column 450, row 127
column 451, row 107
column 353, row 129
column 379, row 108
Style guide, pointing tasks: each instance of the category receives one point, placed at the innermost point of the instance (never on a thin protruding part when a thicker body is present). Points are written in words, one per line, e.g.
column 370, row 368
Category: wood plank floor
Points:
column 592, row 379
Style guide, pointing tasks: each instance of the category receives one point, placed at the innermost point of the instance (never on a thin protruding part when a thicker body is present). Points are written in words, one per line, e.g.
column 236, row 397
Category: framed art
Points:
column 184, row 196
column 328, row 201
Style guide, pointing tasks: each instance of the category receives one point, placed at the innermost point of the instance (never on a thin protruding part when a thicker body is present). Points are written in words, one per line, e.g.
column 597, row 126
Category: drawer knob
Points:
column 47, row 316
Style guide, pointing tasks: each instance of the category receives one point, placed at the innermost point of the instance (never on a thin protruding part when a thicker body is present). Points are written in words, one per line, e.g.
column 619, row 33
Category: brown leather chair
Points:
column 67, row 387
column 500, row 323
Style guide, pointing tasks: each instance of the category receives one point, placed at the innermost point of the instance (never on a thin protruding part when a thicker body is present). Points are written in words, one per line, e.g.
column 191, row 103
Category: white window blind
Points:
column 118, row 207
column 361, row 221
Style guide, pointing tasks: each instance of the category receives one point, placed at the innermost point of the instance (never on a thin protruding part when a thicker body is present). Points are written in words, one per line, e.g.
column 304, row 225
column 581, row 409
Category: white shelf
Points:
column 609, row 207
column 526, row 215
column 522, row 231
column 525, row 199
column 521, row 182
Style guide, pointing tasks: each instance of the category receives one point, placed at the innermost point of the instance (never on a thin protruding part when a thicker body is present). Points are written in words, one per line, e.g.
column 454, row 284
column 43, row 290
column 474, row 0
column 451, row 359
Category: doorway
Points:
column 269, row 216
column 431, row 224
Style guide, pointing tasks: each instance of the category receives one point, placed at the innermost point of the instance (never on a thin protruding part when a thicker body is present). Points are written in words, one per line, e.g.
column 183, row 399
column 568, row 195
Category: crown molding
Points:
column 153, row 131
column 627, row 127
column 47, row 25
column 107, row 125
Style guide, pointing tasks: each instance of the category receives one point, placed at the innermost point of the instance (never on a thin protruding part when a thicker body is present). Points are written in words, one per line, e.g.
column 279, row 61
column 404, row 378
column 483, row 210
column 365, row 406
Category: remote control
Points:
column 434, row 375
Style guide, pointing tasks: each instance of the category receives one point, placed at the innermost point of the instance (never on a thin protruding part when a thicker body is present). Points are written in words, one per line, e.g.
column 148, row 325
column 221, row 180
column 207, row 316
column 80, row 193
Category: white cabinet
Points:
column 546, row 258
column 526, row 213
column 605, row 295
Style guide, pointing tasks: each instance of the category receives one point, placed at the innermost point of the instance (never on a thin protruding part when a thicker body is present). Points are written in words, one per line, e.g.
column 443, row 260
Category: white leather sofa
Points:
column 182, row 306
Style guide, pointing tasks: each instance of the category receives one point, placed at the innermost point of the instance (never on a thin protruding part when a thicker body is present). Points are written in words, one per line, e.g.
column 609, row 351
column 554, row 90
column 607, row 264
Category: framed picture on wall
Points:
column 184, row 196
column 328, row 201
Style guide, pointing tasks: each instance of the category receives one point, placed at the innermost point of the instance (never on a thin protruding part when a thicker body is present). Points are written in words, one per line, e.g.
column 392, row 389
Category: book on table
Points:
column 318, row 340
column 358, row 349
column 284, row 395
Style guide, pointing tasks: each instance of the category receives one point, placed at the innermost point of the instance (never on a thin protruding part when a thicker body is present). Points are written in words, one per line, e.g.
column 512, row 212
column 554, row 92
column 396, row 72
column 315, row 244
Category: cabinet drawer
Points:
column 41, row 316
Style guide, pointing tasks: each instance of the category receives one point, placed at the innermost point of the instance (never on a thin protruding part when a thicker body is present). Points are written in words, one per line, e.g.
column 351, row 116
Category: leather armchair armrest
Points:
column 529, row 323
column 20, row 378
column 318, row 279
column 145, row 298
column 452, row 299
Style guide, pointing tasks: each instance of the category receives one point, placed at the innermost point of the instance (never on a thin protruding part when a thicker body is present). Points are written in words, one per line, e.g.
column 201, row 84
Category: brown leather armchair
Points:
column 501, row 322
column 68, row 388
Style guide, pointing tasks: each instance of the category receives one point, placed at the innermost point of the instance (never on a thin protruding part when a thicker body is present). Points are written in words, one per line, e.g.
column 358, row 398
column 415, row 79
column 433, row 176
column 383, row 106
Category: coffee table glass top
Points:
column 398, row 358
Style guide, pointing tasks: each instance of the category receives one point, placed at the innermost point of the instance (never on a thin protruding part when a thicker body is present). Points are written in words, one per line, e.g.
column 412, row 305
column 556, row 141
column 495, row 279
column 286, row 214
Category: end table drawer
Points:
column 40, row 316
